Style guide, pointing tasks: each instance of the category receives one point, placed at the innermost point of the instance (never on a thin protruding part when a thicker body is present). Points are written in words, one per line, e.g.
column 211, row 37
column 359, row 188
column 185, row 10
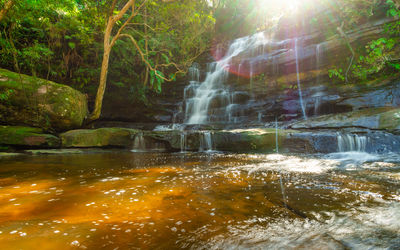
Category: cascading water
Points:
column 276, row 136
column 211, row 100
column 206, row 143
column 352, row 142
column 318, row 60
column 183, row 142
column 298, row 79
column 139, row 143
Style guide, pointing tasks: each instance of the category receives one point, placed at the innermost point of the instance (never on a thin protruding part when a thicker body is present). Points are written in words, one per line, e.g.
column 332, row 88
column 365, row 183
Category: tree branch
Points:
column 7, row 6
column 143, row 57
column 346, row 38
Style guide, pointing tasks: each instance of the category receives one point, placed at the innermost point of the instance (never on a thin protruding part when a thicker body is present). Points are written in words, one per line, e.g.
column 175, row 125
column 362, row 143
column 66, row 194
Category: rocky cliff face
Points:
column 265, row 80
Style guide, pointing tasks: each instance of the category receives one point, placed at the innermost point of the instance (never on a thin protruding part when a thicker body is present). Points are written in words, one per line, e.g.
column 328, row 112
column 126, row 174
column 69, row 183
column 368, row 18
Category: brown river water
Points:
column 125, row 200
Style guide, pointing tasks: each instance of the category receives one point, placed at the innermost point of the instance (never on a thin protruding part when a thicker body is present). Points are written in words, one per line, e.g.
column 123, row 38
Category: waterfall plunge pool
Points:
column 200, row 200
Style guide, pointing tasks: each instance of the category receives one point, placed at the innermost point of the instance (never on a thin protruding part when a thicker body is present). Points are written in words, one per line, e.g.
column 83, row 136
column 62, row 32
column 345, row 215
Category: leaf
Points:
column 392, row 12
column 165, row 58
column 71, row 45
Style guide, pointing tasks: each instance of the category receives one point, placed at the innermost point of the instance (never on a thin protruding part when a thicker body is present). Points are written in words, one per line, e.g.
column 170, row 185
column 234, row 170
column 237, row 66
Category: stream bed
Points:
column 125, row 200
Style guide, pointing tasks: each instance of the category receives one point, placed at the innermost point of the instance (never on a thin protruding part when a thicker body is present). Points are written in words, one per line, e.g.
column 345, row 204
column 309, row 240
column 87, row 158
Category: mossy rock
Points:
column 239, row 140
column 27, row 137
column 102, row 137
column 31, row 101
column 249, row 140
column 372, row 118
column 390, row 121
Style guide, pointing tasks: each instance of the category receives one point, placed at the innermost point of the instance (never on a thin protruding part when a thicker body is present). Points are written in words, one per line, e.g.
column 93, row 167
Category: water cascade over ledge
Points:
column 212, row 101
column 352, row 142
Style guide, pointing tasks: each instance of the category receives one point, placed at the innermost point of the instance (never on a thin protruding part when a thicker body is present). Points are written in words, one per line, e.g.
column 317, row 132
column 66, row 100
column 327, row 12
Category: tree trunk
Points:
column 103, row 74
column 108, row 44
column 102, row 86
column 146, row 45
column 7, row 6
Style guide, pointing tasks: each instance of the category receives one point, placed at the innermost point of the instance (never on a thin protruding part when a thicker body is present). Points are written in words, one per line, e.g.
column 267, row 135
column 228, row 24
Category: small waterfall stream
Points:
column 139, row 143
column 318, row 60
column 276, row 136
column 352, row 142
column 206, row 142
column 183, row 142
column 298, row 79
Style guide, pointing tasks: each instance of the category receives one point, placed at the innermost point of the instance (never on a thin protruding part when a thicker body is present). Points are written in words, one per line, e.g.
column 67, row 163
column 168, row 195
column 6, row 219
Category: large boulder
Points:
column 31, row 101
column 27, row 137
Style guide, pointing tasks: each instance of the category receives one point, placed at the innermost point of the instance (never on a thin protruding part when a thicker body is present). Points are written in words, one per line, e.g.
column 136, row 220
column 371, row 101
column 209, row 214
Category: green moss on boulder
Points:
column 27, row 137
column 102, row 137
column 390, row 121
column 26, row 100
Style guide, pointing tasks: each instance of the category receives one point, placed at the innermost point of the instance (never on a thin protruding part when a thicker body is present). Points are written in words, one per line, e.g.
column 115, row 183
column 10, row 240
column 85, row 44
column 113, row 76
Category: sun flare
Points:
column 280, row 5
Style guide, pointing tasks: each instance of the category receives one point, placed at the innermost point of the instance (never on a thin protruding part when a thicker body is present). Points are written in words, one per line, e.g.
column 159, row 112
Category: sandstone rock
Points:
column 385, row 118
column 102, row 137
column 36, row 102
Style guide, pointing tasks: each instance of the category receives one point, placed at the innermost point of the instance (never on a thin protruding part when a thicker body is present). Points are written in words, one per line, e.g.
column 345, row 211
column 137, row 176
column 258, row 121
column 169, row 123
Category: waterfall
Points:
column 276, row 136
column 318, row 54
column 275, row 66
column 194, row 72
column 139, row 143
column 211, row 100
column 317, row 105
column 206, row 143
column 298, row 80
column 352, row 142
column 183, row 142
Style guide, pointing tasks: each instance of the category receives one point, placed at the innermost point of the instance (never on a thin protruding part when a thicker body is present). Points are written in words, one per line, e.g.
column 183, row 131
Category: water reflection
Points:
column 156, row 200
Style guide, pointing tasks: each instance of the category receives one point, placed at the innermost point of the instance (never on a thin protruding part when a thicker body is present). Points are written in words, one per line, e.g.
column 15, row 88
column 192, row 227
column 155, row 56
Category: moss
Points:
column 27, row 137
column 250, row 140
column 102, row 137
column 40, row 103
column 390, row 120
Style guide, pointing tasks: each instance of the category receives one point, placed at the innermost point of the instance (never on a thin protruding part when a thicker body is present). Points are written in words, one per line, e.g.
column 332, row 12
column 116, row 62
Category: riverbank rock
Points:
column 384, row 118
column 27, row 137
column 239, row 140
column 26, row 100
column 102, row 137
column 249, row 140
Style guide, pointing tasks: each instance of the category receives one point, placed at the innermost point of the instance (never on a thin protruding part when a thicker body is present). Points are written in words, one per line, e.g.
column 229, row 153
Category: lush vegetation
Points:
column 380, row 55
column 138, row 45
column 62, row 40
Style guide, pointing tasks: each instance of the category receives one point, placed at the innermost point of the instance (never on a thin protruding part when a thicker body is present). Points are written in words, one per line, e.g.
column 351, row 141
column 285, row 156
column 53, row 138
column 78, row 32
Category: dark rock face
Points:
column 39, row 103
column 121, row 105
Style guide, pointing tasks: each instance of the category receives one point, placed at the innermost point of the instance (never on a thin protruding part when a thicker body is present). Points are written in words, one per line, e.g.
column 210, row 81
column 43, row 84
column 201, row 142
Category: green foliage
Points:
column 379, row 55
column 62, row 40
column 53, row 39
column 5, row 95
column 171, row 36
column 377, row 58
column 336, row 73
